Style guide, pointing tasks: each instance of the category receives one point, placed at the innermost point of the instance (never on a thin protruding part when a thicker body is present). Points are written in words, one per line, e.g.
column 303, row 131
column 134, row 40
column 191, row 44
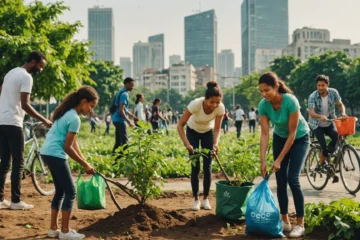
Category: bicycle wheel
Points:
column 41, row 177
column 350, row 169
column 318, row 180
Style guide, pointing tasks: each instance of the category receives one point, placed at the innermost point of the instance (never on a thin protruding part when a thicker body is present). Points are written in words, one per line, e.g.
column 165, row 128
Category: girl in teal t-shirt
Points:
column 59, row 143
column 290, row 145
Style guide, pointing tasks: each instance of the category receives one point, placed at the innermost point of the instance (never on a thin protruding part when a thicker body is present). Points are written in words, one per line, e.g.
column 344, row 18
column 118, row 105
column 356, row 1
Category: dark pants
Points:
column 330, row 131
column 225, row 125
column 252, row 125
column 289, row 172
column 238, row 125
column 206, row 141
column 93, row 127
column 11, row 147
column 155, row 126
column 121, row 137
column 107, row 130
column 65, row 191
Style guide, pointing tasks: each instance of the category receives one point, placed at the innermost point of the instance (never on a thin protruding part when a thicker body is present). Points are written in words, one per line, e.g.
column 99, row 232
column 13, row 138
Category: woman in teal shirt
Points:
column 290, row 144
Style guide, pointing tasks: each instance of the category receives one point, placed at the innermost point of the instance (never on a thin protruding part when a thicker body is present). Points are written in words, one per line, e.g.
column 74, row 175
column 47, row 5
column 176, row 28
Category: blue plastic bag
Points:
column 262, row 214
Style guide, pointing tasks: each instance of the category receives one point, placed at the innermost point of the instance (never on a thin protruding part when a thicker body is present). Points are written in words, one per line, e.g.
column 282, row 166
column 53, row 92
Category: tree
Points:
column 108, row 79
column 24, row 28
column 283, row 66
column 352, row 98
column 333, row 64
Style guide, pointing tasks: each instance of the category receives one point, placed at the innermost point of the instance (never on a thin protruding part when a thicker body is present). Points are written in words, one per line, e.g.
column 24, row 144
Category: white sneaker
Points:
column 298, row 231
column 206, row 204
column 20, row 206
column 196, row 206
column 286, row 227
column 71, row 235
column 53, row 233
column 4, row 204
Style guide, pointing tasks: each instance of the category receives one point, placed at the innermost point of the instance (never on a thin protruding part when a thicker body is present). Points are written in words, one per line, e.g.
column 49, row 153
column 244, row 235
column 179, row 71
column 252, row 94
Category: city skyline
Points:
column 135, row 20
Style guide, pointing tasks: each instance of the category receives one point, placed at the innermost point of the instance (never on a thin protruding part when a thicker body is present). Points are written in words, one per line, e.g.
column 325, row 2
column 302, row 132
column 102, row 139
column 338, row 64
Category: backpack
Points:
column 113, row 107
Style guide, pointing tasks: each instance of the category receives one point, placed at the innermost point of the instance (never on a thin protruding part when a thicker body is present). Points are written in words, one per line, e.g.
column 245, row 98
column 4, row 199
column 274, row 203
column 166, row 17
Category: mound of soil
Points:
column 135, row 220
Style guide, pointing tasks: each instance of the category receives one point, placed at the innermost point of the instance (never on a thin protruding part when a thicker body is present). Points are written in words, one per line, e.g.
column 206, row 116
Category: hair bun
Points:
column 212, row 84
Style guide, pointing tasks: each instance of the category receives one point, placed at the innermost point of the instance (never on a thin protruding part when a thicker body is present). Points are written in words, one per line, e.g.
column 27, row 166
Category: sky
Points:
column 135, row 20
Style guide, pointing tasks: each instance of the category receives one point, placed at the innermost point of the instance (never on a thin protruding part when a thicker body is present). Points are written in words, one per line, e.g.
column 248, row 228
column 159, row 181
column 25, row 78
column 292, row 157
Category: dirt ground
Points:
column 168, row 217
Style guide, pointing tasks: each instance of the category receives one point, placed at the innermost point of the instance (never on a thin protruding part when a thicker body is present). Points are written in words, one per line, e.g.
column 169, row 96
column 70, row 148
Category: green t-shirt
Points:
column 280, row 117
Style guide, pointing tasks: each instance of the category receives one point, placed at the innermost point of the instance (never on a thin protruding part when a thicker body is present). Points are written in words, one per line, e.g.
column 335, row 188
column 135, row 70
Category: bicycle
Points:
column 343, row 159
column 34, row 165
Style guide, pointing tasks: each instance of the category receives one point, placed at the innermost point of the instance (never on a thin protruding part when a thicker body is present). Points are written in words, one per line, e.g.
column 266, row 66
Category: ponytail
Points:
column 73, row 99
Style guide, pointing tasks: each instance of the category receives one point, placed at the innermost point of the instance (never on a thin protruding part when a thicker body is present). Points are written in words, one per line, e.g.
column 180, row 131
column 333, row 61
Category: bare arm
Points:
column 72, row 152
column 341, row 107
column 77, row 149
column 122, row 113
column 264, row 142
column 159, row 115
column 180, row 127
column 217, row 128
column 26, row 106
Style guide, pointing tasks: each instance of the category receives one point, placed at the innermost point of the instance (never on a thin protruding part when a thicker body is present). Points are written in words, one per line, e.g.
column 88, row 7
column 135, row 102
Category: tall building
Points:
column 201, row 39
column 145, row 56
column 101, row 33
column 174, row 59
column 182, row 77
column 126, row 65
column 307, row 42
column 264, row 25
column 205, row 74
column 159, row 39
column 226, row 63
column 238, row 72
column 155, row 80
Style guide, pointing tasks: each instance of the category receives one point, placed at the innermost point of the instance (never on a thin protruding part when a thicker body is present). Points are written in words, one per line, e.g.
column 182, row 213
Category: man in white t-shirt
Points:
column 239, row 117
column 14, row 102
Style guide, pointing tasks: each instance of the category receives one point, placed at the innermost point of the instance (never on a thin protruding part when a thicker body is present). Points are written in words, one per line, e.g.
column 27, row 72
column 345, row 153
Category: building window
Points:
column 174, row 84
column 306, row 48
column 303, row 34
column 175, row 77
column 183, row 83
column 183, row 77
column 183, row 90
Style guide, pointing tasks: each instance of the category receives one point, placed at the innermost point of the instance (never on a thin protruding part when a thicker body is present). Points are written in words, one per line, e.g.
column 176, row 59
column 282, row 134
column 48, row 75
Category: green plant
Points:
column 342, row 215
column 142, row 161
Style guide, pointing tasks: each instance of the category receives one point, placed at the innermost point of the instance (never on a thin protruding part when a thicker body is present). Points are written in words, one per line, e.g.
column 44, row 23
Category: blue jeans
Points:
column 289, row 172
column 65, row 191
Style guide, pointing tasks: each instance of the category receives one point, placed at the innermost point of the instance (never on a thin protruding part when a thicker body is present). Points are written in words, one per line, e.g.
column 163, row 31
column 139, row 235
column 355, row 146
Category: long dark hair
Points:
column 271, row 79
column 138, row 96
column 73, row 99
column 156, row 101
column 213, row 90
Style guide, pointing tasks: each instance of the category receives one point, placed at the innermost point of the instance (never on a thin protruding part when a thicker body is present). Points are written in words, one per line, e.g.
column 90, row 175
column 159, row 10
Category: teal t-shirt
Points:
column 280, row 117
column 55, row 139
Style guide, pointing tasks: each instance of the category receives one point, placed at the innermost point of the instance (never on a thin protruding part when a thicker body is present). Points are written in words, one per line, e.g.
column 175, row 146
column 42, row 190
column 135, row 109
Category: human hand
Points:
column 216, row 149
column 89, row 169
column 190, row 148
column 263, row 168
column 276, row 165
column 48, row 123
column 131, row 124
column 323, row 118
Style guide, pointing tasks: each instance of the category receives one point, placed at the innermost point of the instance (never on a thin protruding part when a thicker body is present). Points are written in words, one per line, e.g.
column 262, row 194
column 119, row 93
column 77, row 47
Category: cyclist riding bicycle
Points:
column 321, row 105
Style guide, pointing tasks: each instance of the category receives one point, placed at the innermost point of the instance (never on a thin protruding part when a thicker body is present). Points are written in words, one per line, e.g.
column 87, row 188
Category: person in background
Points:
column 139, row 108
column 93, row 123
column 121, row 116
column 164, row 122
column 252, row 120
column 203, row 118
column 60, row 142
column 239, row 117
column 225, row 122
column 107, row 122
column 169, row 116
column 14, row 102
column 321, row 106
column 291, row 143
column 155, row 114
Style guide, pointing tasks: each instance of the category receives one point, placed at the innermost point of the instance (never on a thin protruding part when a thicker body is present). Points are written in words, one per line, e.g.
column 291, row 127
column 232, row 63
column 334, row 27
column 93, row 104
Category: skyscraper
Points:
column 126, row 65
column 264, row 25
column 159, row 39
column 226, row 63
column 145, row 56
column 174, row 59
column 201, row 39
column 101, row 33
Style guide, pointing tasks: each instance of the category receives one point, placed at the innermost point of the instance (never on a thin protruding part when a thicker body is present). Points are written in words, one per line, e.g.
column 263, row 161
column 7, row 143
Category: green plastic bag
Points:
column 231, row 201
column 91, row 193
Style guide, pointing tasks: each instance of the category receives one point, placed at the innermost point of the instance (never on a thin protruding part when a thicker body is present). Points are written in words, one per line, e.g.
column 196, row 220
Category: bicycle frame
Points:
column 33, row 150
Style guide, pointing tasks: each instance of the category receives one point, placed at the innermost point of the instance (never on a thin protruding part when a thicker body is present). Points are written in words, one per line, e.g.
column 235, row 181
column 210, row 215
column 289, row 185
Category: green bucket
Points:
column 231, row 201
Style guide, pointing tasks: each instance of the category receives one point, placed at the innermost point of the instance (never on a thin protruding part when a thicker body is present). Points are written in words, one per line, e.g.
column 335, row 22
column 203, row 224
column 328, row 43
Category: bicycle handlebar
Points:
column 34, row 125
